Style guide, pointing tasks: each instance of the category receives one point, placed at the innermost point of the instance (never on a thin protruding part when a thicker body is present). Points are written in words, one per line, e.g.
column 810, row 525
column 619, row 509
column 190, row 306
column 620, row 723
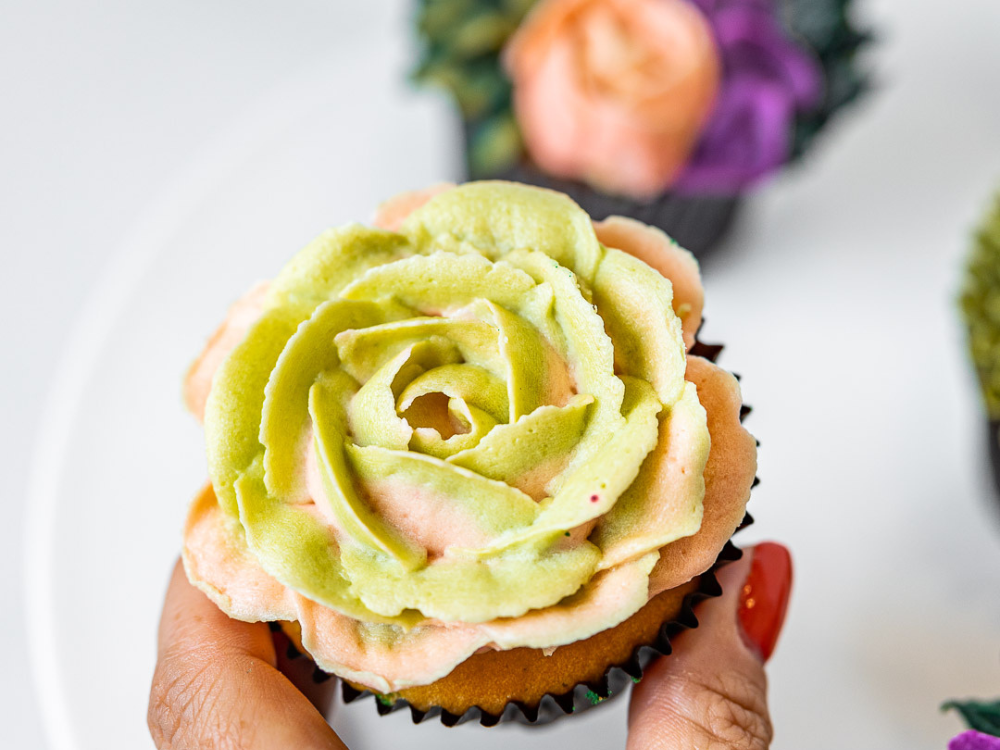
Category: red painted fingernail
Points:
column 764, row 598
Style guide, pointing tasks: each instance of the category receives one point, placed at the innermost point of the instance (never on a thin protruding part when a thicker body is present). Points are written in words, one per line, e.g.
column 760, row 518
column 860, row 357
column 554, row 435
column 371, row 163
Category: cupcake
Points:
column 983, row 720
column 981, row 308
column 667, row 111
column 472, row 460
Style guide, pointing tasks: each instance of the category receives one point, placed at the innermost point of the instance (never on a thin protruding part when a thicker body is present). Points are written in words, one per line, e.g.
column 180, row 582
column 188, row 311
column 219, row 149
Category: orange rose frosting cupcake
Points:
column 614, row 93
column 666, row 111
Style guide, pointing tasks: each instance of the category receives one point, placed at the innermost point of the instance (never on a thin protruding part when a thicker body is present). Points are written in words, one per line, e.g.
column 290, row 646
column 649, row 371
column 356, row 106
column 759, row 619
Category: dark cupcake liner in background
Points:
column 993, row 438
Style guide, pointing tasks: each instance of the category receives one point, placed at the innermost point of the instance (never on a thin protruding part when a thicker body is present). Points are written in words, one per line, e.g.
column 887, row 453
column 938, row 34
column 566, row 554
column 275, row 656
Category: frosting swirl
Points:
column 473, row 431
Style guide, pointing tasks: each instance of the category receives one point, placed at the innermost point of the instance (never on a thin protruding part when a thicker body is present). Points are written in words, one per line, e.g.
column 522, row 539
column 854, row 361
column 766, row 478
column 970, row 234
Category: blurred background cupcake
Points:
column 981, row 308
column 983, row 720
column 668, row 111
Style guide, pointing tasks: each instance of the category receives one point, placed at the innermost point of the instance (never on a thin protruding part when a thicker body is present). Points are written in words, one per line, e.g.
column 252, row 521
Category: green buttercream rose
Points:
column 452, row 421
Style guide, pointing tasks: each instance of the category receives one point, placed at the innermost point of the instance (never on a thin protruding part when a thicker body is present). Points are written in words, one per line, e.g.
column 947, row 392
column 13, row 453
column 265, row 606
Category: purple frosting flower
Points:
column 973, row 740
column 767, row 79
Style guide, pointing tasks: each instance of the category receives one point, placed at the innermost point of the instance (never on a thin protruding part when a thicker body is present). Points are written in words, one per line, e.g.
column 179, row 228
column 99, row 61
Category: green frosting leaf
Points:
column 496, row 218
column 372, row 414
column 592, row 488
column 332, row 261
column 982, row 716
column 474, row 591
column 472, row 384
column 634, row 301
column 364, row 526
column 297, row 550
column 443, row 281
column 587, row 349
column 476, row 423
column 363, row 352
column 510, row 451
column 651, row 513
column 524, row 354
column 233, row 409
column 284, row 414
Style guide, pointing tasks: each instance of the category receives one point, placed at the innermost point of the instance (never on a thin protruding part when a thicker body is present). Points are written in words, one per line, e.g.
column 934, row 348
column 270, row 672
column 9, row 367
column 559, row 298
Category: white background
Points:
column 137, row 140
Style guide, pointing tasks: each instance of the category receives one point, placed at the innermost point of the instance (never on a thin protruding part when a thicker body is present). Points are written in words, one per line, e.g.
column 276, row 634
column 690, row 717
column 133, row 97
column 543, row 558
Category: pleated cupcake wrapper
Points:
column 583, row 695
column 993, row 440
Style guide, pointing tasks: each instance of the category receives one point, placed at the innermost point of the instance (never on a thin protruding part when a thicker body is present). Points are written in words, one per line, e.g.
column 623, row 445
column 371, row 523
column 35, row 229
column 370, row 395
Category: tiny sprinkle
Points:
column 594, row 498
column 593, row 697
column 567, row 533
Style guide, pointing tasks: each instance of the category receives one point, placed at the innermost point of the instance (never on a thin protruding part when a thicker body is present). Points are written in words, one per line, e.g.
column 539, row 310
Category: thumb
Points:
column 216, row 684
column 712, row 691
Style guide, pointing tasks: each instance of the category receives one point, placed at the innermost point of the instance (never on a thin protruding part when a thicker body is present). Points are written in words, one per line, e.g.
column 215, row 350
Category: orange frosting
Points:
column 614, row 92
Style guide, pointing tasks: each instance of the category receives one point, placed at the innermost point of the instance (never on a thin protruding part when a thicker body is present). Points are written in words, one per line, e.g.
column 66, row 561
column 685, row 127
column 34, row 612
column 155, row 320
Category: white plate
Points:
column 119, row 458
column 867, row 416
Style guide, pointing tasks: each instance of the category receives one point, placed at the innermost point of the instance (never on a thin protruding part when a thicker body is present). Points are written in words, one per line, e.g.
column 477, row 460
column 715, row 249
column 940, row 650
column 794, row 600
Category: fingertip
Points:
column 764, row 598
column 216, row 683
column 712, row 688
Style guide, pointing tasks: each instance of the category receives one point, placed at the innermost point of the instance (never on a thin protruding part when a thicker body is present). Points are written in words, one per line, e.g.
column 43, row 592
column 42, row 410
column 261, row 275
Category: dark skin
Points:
column 220, row 684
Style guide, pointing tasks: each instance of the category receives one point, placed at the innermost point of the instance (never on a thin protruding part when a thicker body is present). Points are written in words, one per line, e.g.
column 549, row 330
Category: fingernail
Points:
column 764, row 598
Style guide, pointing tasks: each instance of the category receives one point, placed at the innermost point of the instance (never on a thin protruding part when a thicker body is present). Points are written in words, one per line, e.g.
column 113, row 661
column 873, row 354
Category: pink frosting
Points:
column 199, row 378
column 384, row 657
column 428, row 518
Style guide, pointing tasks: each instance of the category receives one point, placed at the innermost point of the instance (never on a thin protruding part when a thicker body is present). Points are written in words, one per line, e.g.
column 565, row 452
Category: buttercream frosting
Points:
column 473, row 426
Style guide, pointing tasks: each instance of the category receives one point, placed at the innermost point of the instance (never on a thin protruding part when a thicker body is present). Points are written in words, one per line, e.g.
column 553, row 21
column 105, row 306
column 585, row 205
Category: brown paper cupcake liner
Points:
column 586, row 694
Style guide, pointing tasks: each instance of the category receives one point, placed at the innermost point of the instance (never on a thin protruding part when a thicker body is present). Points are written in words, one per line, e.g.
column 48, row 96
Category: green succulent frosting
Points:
column 427, row 359
column 981, row 307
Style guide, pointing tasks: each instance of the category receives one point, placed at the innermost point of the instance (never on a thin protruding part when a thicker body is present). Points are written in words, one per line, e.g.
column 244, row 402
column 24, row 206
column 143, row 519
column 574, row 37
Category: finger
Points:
column 216, row 684
column 712, row 691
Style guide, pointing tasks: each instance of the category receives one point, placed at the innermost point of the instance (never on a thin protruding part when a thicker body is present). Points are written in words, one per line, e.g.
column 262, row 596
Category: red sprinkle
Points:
column 594, row 498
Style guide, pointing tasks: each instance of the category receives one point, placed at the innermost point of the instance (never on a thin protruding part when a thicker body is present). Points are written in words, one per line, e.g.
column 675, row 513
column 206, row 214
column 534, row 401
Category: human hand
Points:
column 219, row 683
column 712, row 691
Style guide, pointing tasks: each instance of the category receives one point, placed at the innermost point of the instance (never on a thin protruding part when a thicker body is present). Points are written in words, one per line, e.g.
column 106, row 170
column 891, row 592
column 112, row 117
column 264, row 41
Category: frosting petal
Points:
column 654, row 248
